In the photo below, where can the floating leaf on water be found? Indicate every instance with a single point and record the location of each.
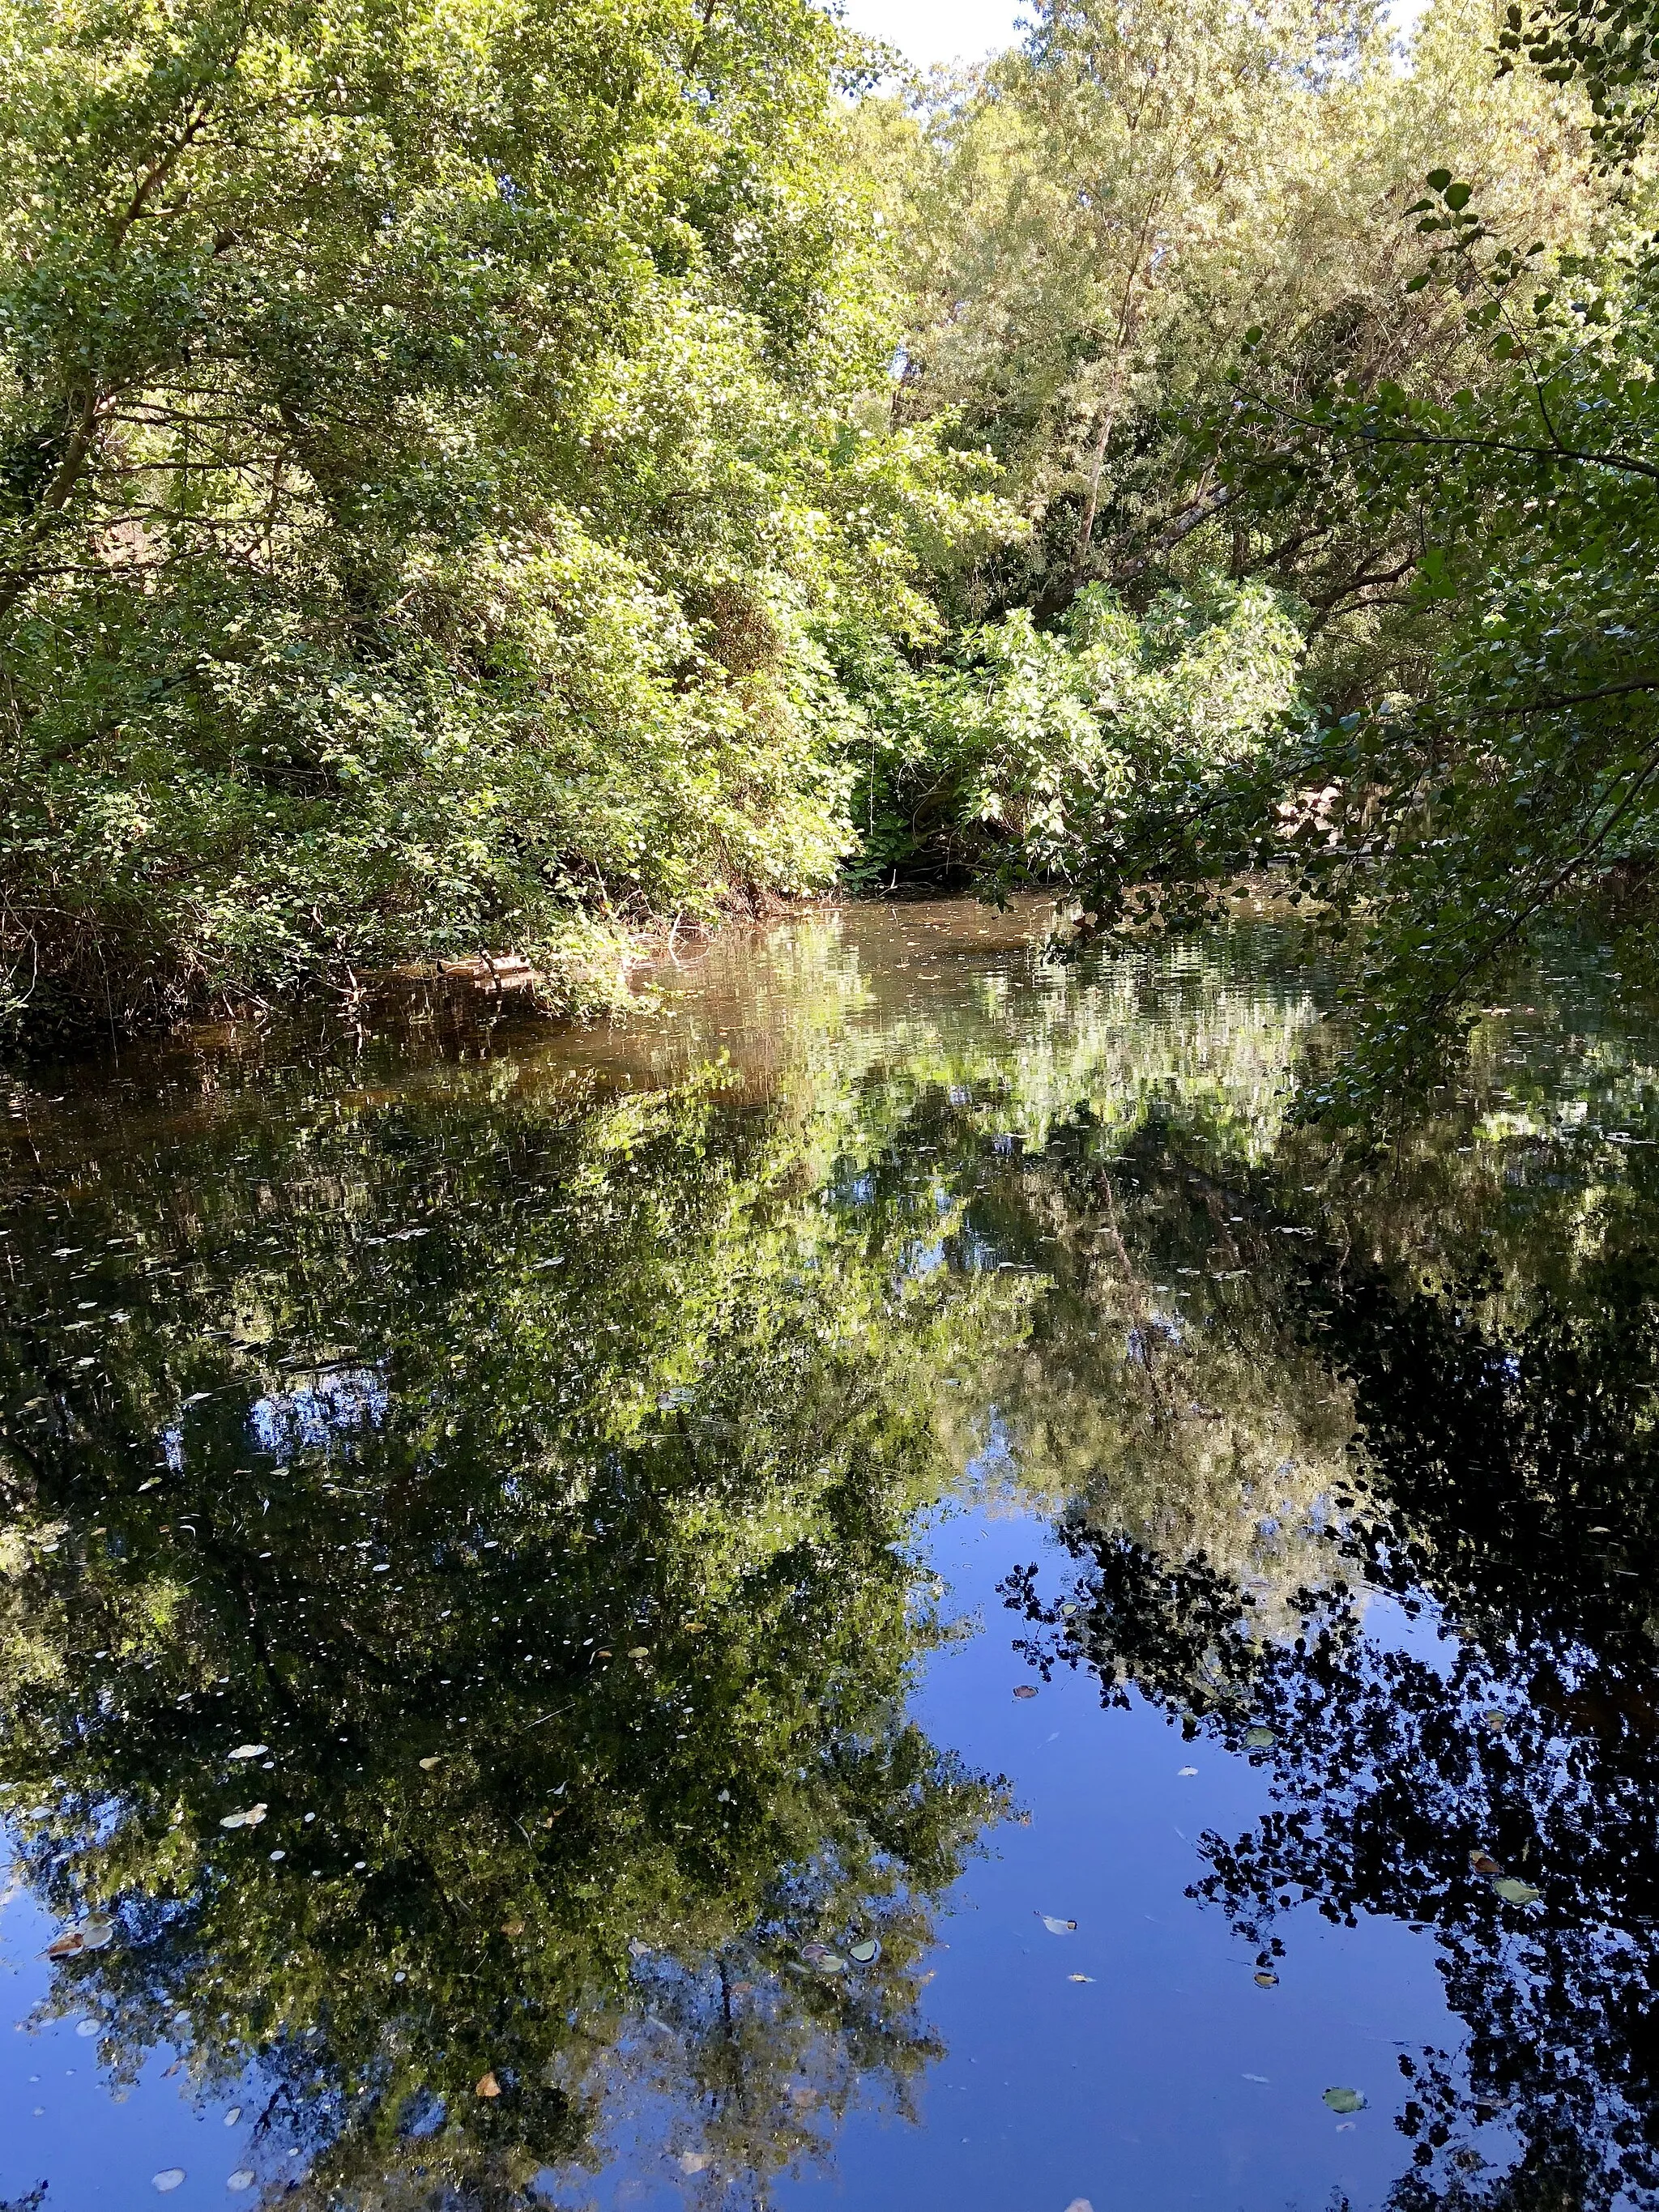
(1025, 1690)
(1266, 1980)
(1262, 2078)
(1068, 1609)
(1079, 1978)
(1514, 1891)
(427, 1764)
(242, 2178)
(233, 2116)
(87, 2026)
(1259, 1739)
(694, 2161)
(1080, 2204)
(488, 2086)
(1057, 1927)
(1483, 1862)
(1344, 2100)
(249, 1751)
(1186, 1770)
(169, 2178)
(637, 1949)
(867, 1952)
(641, 1651)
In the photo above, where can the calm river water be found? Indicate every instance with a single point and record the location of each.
(883, 1589)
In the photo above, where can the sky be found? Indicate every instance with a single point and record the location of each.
(929, 31)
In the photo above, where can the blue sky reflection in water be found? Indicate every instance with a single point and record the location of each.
(579, 1612)
(1168, 2077)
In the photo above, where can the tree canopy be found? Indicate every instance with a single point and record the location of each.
(433, 450)
(483, 479)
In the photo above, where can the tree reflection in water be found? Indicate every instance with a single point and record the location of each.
(527, 1455)
(528, 1480)
(1503, 1724)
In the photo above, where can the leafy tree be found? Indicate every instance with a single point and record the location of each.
(1609, 51)
(1006, 760)
(1453, 823)
(1098, 231)
(1507, 762)
(1094, 228)
(433, 438)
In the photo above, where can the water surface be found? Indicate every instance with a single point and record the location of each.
(885, 1586)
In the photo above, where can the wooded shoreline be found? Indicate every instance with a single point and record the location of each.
(483, 483)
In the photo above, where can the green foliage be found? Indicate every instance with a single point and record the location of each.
(1608, 49)
(1092, 230)
(1174, 271)
(479, 480)
(1168, 267)
(1027, 747)
(1450, 823)
(433, 439)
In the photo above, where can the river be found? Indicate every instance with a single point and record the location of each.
(883, 1587)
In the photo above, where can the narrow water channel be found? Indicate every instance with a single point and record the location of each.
(886, 1587)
